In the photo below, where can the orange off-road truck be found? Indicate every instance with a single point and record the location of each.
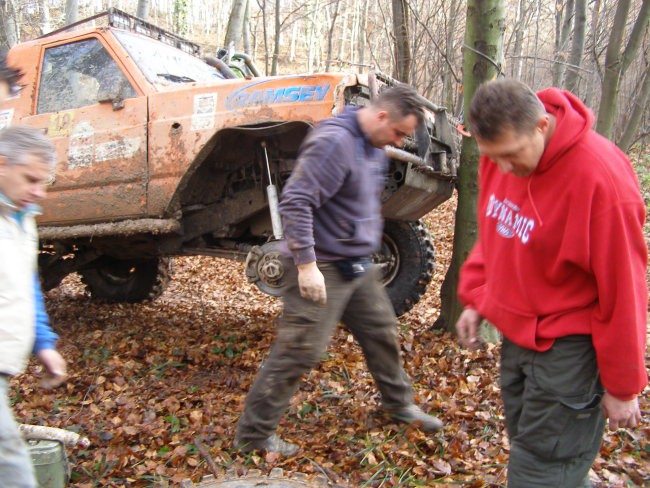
(163, 152)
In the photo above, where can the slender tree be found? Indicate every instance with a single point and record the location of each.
(44, 14)
(71, 11)
(402, 45)
(572, 75)
(235, 29)
(640, 105)
(276, 41)
(564, 13)
(330, 34)
(143, 9)
(9, 35)
(481, 62)
(617, 61)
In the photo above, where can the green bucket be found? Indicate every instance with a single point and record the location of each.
(50, 463)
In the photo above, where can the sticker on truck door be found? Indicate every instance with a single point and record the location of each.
(5, 118)
(205, 108)
(81, 150)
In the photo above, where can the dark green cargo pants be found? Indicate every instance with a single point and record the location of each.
(304, 332)
(553, 415)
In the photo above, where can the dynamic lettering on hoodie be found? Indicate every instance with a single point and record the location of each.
(510, 222)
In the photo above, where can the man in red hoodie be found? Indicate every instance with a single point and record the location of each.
(559, 269)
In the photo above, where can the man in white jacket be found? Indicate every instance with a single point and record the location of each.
(27, 160)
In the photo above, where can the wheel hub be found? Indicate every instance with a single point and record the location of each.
(264, 268)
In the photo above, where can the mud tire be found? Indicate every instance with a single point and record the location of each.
(131, 281)
(407, 262)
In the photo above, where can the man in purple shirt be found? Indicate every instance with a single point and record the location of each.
(331, 211)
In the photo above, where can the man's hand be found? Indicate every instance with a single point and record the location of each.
(312, 283)
(621, 413)
(467, 328)
(55, 366)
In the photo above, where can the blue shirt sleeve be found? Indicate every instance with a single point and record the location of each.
(45, 336)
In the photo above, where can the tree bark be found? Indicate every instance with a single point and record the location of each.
(71, 11)
(330, 35)
(402, 44)
(143, 9)
(577, 46)
(44, 14)
(484, 35)
(447, 74)
(361, 44)
(617, 62)
(564, 13)
(276, 42)
(640, 105)
(234, 31)
(9, 34)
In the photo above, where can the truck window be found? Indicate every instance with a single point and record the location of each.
(163, 64)
(78, 74)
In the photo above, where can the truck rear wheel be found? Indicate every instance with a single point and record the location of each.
(406, 260)
(127, 280)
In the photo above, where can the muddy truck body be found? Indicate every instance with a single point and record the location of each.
(162, 153)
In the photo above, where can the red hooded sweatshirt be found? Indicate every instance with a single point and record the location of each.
(562, 251)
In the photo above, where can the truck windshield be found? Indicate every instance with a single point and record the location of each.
(163, 64)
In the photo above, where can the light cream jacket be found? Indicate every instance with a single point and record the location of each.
(18, 262)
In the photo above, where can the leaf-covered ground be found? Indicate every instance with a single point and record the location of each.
(148, 381)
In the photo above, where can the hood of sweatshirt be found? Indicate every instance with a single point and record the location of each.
(573, 122)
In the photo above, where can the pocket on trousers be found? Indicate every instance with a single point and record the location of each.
(582, 423)
(560, 428)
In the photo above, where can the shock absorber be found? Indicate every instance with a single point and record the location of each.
(272, 194)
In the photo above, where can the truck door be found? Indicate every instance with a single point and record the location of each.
(98, 121)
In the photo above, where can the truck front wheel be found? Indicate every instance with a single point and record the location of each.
(406, 260)
(127, 280)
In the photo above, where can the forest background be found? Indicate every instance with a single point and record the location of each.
(547, 42)
(151, 383)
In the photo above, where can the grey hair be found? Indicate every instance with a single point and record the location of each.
(19, 141)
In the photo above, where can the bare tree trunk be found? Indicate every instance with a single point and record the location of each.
(180, 16)
(564, 13)
(521, 24)
(265, 38)
(44, 14)
(71, 11)
(276, 43)
(246, 28)
(577, 46)
(330, 34)
(361, 45)
(534, 70)
(617, 62)
(9, 34)
(235, 28)
(595, 79)
(484, 38)
(447, 75)
(402, 45)
(143, 9)
(640, 105)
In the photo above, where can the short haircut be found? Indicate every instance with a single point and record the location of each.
(504, 104)
(400, 101)
(19, 141)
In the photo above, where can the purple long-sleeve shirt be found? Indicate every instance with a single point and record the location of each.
(330, 206)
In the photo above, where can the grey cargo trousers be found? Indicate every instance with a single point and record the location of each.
(304, 332)
(553, 415)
